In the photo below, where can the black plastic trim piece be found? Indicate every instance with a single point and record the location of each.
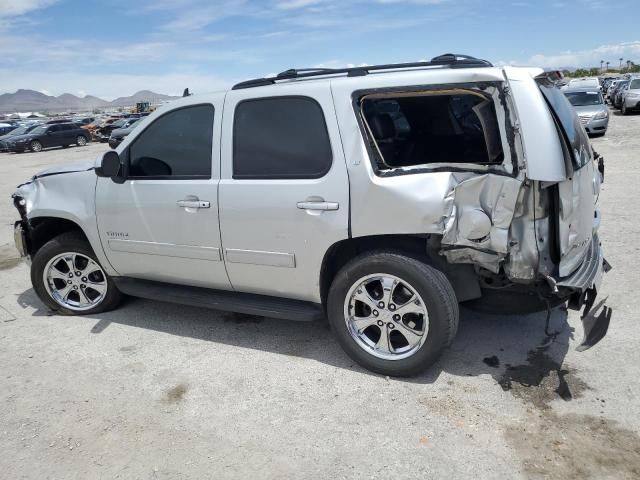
(247, 303)
(448, 60)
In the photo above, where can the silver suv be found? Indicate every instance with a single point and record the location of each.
(379, 197)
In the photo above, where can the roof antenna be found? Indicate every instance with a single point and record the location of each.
(186, 92)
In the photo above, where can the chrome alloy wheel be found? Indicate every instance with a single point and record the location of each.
(75, 281)
(81, 141)
(386, 316)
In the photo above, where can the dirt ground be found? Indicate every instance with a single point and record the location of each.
(160, 391)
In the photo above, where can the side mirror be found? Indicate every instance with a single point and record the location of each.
(110, 165)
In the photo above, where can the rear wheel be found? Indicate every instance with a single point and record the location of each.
(81, 141)
(68, 278)
(35, 146)
(391, 313)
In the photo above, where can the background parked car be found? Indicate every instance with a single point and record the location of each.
(102, 134)
(591, 109)
(6, 128)
(14, 132)
(616, 93)
(46, 136)
(631, 96)
(588, 82)
(118, 135)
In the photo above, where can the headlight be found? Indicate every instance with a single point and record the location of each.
(602, 114)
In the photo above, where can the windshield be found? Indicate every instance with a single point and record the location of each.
(582, 99)
(587, 82)
(18, 131)
(119, 123)
(635, 84)
(39, 130)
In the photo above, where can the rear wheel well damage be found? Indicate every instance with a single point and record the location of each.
(43, 229)
(423, 247)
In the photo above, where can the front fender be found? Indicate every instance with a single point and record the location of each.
(69, 196)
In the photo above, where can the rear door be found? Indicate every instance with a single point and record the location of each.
(284, 191)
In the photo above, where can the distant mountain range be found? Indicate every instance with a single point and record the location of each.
(33, 101)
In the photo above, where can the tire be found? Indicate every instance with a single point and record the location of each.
(625, 111)
(81, 141)
(35, 146)
(433, 294)
(95, 282)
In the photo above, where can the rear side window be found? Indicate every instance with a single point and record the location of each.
(280, 138)
(176, 145)
(427, 128)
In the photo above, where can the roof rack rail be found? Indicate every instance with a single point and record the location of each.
(448, 60)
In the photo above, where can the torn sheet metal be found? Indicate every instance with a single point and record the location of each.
(477, 226)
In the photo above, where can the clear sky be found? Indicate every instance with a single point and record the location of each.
(110, 48)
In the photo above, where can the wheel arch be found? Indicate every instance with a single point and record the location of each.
(43, 229)
(343, 251)
(462, 277)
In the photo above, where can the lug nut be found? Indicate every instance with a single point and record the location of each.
(78, 274)
(75, 287)
(396, 317)
(390, 325)
(375, 313)
(69, 282)
(83, 286)
(381, 304)
(392, 307)
(70, 275)
(84, 279)
(380, 323)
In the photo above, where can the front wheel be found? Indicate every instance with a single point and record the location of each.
(391, 313)
(35, 146)
(68, 278)
(81, 141)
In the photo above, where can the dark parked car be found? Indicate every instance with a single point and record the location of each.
(104, 133)
(117, 136)
(14, 132)
(45, 136)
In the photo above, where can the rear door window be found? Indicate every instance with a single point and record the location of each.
(280, 138)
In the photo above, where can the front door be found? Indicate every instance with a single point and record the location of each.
(162, 222)
(284, 191)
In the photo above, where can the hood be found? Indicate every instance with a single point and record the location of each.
(80, 166)
(17, 138)
(589, 109)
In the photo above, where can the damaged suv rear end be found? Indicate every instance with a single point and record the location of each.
(495, 168)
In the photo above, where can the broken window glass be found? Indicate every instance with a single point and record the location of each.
(435, 127)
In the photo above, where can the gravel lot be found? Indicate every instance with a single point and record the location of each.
(160, 391)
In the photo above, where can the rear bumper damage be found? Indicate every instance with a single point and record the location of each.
(583, 286)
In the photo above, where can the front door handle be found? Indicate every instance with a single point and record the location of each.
(318, 205)
(193, 204)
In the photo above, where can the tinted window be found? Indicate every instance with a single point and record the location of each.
(67, 127)
(574, 133)
(282, 137)
(55, 128)
(178, 144)
(635, 84)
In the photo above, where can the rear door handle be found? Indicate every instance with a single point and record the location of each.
(193, 204)
(318, 205)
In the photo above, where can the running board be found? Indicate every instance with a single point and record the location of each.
(247, 303)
